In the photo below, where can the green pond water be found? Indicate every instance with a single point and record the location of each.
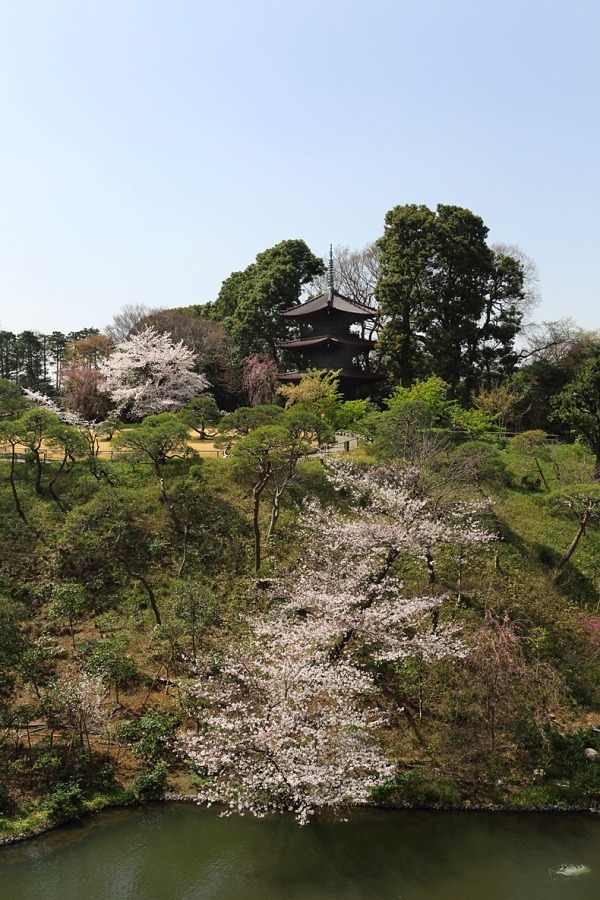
(182, 851)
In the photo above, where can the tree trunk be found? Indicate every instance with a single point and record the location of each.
(540, 470)
(138, 577)
(430, 566)
(274, 514)
(166, 500)
(13, 457)
(580, 532)
(38, 476)
(52, 481)
(405, 348)
(256, 492)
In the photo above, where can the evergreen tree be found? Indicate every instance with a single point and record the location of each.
(450, 306)
(250, 302)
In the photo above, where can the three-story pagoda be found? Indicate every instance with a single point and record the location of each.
(327, 341)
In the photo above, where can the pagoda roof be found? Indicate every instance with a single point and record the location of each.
(321, 339)
(330, 300)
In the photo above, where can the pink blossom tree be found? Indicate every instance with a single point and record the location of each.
(82, 389)
(259, 378)
(149, 374)
(291, 721)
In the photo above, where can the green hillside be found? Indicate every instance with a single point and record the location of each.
(99, 698)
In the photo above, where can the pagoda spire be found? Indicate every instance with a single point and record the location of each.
(331, 268)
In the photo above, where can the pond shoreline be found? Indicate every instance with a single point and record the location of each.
(467, 807)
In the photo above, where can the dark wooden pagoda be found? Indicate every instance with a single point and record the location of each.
(328, 342)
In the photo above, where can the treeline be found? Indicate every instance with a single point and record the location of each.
(33, 360)
(445, 303)
(67, 367)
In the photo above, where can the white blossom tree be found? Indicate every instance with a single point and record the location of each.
(45, 402)
(291, 720)
(149, 374)
(285, 727)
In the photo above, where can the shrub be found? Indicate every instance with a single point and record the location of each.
(5, 800)
(152, 783)
(149, 736)
(65, 802)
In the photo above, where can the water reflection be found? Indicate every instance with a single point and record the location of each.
(180, 852)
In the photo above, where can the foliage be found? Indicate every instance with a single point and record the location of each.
(317, 392)
(501, 402)
(12, 400)
(482, 463)
(476, 423)
(109, 427)
(583, 502)
(70, 602)
(108, 660)
(250, 303)
(268, 454)
(450, 305)
(535, 446)
(432, 392)
(12, 643)
(151, 736)
(354, 415)
(378, 648)
(578, 405)
(198, 413)
(245, 419)
(65, 802)
(152, 783)
(156, 439)
(404, 432)
(196, 607)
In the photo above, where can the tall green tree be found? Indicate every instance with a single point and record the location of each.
(578, 405)
(12, 399)
(250, 303)
(405, 260)
(7, 354)
(449, 304)
(31, 360)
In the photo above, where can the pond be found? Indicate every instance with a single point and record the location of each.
(181, 851)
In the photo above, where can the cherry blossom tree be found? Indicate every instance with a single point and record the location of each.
(76, 701)
(82, 389)
(291, 720)
(149, 374)
(285, 729)
(259, 378)
(65, 415)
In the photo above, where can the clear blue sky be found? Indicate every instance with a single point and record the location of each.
(151, 147)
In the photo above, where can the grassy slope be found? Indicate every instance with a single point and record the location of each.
(470, 732)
